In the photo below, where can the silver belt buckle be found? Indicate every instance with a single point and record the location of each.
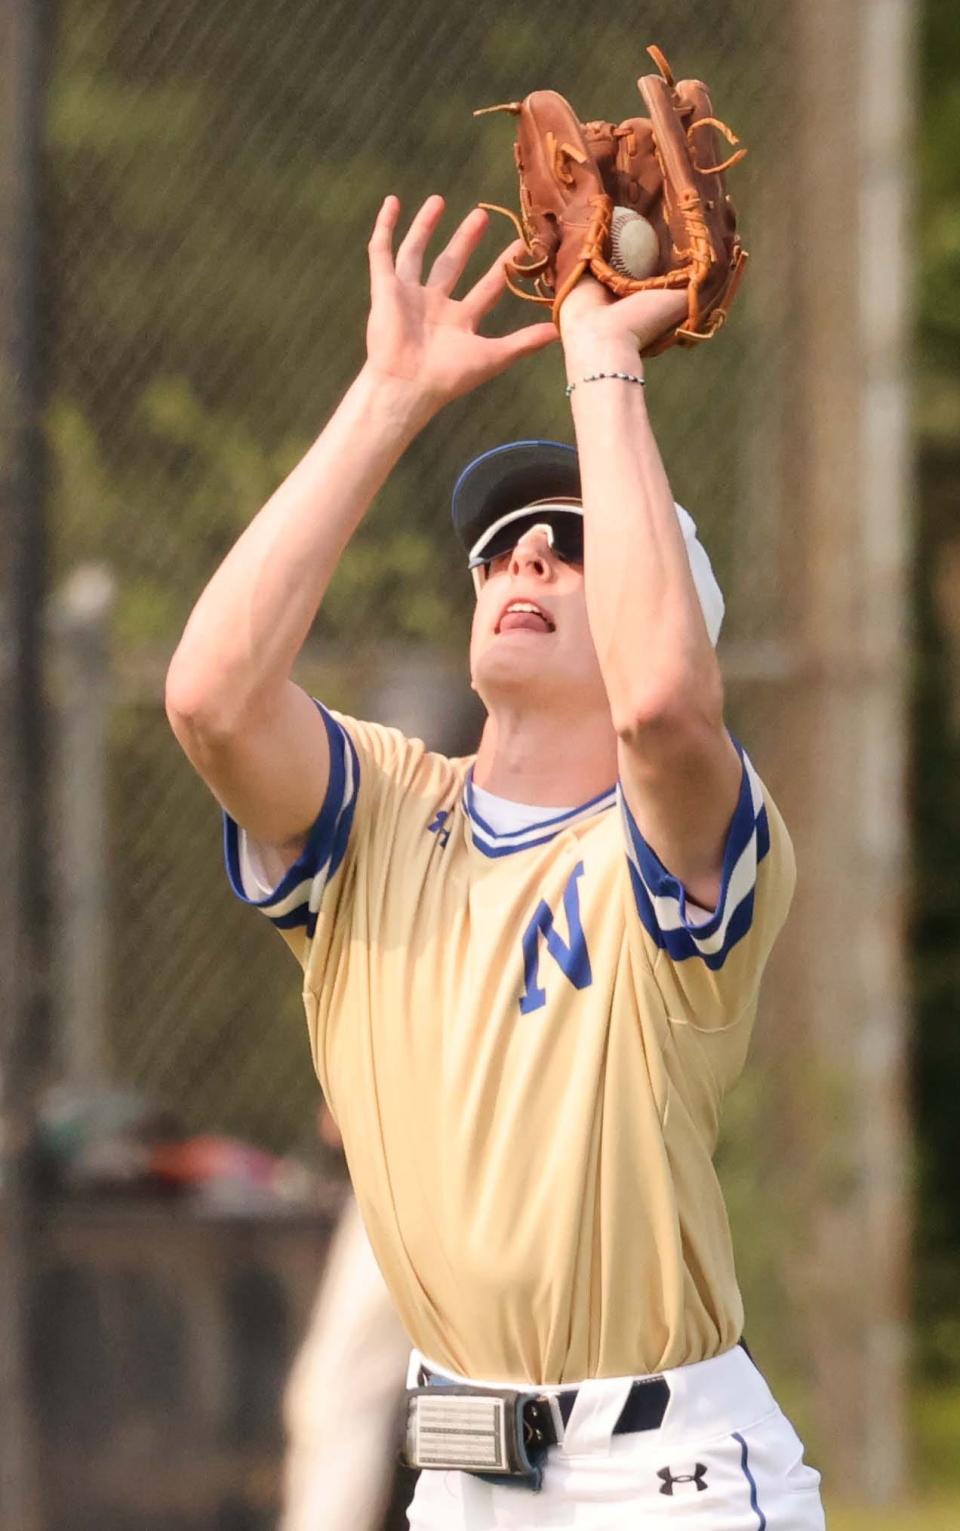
(475, 1430)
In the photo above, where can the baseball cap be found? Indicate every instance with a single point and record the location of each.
(512, 487)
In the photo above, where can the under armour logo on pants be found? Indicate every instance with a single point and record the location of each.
(698, 1476)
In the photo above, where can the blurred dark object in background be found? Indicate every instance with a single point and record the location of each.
(114, 1142)
(162, 1337)
(100, 1142)
(175, 1277)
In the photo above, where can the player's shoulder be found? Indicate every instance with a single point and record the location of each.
(385, 755)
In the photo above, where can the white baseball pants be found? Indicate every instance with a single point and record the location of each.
(724, 1459)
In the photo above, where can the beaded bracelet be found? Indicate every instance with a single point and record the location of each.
(595, 377)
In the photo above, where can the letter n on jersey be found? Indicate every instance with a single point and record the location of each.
(571, 956)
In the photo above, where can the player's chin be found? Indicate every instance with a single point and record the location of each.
(518, 661)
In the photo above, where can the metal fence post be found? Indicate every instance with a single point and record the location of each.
(80, 663)
(23, 1013)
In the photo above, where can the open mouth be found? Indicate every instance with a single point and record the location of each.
(524, 616)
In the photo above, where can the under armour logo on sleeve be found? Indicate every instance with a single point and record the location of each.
(438, 828)
(669, 1479)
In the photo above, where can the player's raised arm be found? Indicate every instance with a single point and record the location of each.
(252, 734)
(680, 771)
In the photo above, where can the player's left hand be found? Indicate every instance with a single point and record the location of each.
(591, 314)
(419, 336)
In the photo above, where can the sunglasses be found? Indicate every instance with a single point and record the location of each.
(564, 528)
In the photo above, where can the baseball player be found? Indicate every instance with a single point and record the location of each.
(529, 977)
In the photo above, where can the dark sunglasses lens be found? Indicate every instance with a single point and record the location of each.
(567, 537)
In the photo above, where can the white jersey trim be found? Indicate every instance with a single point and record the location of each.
(680, 927)
(296, 899)
(506, 843)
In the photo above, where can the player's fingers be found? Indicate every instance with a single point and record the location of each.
(666, 302)
(448, 267)
(409, 262)
(533, 337)
(486, 292)
(649, 314)
(380, 245)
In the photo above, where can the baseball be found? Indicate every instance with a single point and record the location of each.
(634, 246)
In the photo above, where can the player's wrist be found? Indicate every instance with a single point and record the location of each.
(586, 353)
(589, 323)
(400, 404)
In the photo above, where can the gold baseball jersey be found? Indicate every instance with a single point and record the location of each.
(525, 1039)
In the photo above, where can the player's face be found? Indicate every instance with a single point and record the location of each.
(531, 636)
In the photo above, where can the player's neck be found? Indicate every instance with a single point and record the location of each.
(543, 760)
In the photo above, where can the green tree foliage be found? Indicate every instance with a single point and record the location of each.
(215, 174)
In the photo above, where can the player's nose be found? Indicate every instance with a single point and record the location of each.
(533, 554)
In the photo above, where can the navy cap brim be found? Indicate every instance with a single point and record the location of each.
(507, 477)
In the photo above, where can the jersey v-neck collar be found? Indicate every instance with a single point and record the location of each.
(490, 843)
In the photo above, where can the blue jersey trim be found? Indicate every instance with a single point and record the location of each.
(763, 835)
(681, 944)
(673, 929)
(754, 1496)
(661, 882)
(326, 843)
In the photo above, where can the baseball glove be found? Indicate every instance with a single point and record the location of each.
(579, 183)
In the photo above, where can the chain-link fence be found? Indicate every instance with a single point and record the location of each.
(213, 173)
